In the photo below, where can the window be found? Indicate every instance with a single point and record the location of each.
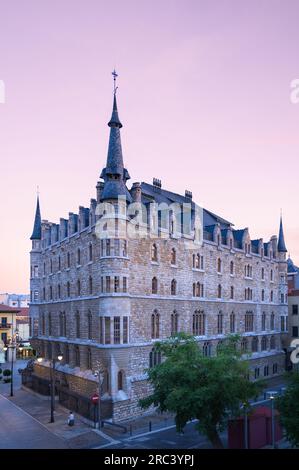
(35, 271)
(154, 285)
(173, 256)
(59, 291)
(66, 358)
(78, 256)
(271, 275)
(125, 330)
(108, 247)
(62, 324)
(107, 330)
(50, 324)
(116, 330)
(282, 324)
(173, 287)
(154, 252)
(295, 309)
(68, 289)
(207, 348)
(116, 284)
(108, 284)
(254, 344)
(248, 321)
(155, 325)
(198, 324)
(220, 323)
(78, 287)
(219, 291)
(120, 380)
(77, 319)
(68, 260)
(124, 284)
(124, 247)
(266, 371)
(231, 292)
(59, 263)
(272, 321)
(282, 298)
(244, 345)
(77, 356)
(263, 321)
(43, 324)
(89, 359)
(271, 296)
(90, 285)
(90, 252)
(263, 273)
(275, 368)
(272, 342)
(232, 322)
(256, 372)
(51, 266)
(264, 343)
(51, 293)
(219, 265)
(232, 267)
(116, 247)
(154, 358)
(174, 323)
(263, 295)
(44, 293)
(89, 325)
(295, 331)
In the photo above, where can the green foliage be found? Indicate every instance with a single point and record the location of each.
(289, 409)
(6, 372)
(193, 386)
(7, 380)
(0, 371)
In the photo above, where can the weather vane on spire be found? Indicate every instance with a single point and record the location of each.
(114, 79)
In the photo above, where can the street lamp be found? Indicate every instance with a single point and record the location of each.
(272, 396)
(52, 382)
(12, 347)
(100, 375)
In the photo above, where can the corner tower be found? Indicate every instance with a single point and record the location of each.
(35, 271)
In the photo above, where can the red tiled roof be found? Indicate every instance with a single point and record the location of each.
(8, 309)
(24, 312)
(293, 293)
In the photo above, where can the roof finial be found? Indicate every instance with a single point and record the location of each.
(37, 191)
(115, 75)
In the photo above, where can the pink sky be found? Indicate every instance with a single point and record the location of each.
(204, 97)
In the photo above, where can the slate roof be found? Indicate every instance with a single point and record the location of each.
(37, 227)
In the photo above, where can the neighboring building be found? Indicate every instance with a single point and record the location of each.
(104, 301)
(293, 295)
(15, 300)
(23, 324)
(8, 322)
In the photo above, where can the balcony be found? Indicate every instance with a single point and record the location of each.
(5, 326)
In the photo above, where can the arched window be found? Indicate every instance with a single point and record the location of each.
(89, 325)
(77, 356)
(271, 275)
(264, 343)
(77, 324)
(219, 265)
(50, 324)
(272, 321)
(68, 289)
(174, 323)
(89, 359)
(263, 321)
(263, 295)
(231, 292)
(254, 344)
(220, 323)
(198, 324)
(120, 380)
(68, 260)
(271, 296)
(272, 342)
(59, 263)
(232, 322)
(78, 287)
(193, 260)
(90, 285)
(244, 345)
(78, 256)
(59, 291)
(219, 291)
(232, 267)
(207, 349)
(90, 252)
(197, 265)
(173, 256)
(154, 285)
(154, 252)
(155, 325)
(219, 346)
(194, 289)
(173, 287)
(154, 358)
(51, 293)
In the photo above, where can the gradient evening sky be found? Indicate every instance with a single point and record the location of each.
(204, 97)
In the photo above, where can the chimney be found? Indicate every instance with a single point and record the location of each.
(136, 192)
(157, 184)
(188, 194)
(99, 187)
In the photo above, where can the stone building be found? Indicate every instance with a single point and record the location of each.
(293, 296)
(102, 297)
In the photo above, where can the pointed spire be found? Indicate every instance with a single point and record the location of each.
(281, 243)
(37, 228)
(114, 121)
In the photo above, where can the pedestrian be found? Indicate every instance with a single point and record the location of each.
(71, 419)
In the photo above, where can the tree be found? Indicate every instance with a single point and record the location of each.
(287, 405)
(193, 386)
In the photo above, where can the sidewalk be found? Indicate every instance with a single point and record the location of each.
(80, 436)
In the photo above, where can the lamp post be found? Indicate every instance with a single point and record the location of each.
(272, 396)
(52, 383)
(12, 347)
(100, 376)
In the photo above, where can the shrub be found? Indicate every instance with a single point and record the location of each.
(6, 372)
(7, 380)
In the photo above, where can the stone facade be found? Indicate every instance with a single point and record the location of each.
(104, 302)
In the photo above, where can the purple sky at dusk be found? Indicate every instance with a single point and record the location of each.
(204, 98)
